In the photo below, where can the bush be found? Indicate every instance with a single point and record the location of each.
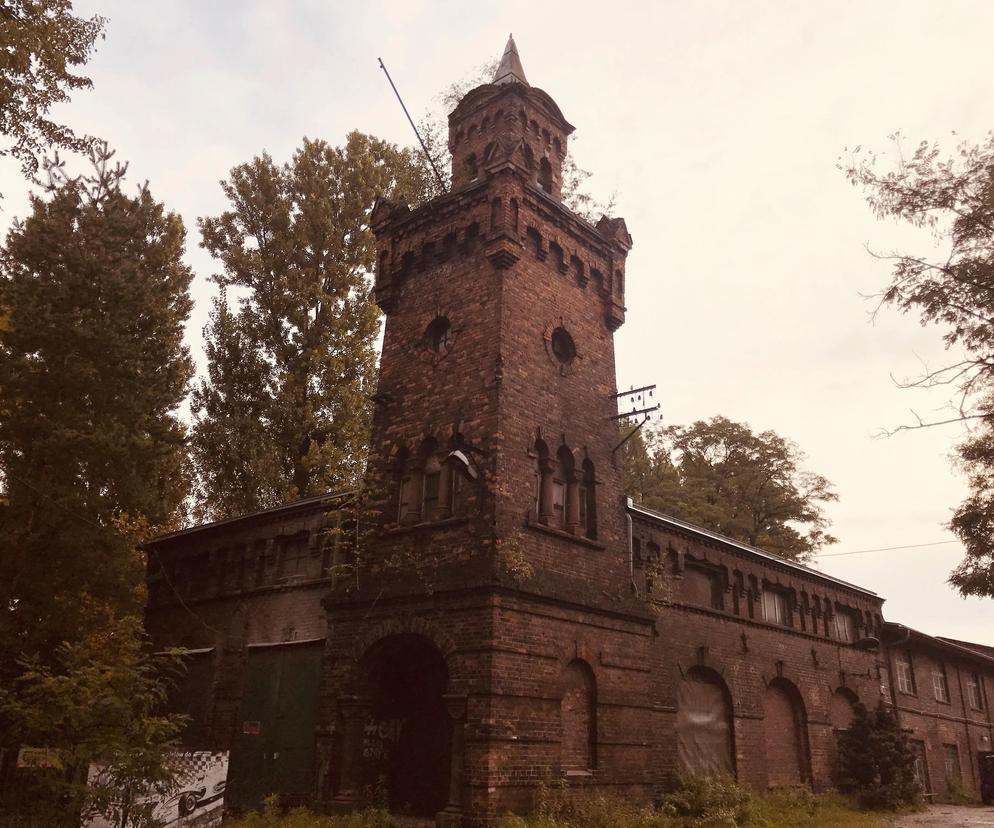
(272, 816)
(709, 800)
(875, 762)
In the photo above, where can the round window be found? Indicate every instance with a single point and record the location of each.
(563, 346)
(438, 335)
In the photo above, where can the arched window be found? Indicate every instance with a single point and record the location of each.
(784, 744)
(544, 510)
(578, 711)
(545, 175)
(472, 168)
(514, 214)
(431, 472)
(561, 485)
(529, 157)
(408, 489)
(588, 501)
(704, 731)
(457, 474)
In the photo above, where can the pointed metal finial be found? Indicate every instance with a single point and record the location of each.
(510, 69)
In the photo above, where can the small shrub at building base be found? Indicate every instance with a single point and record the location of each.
(273, 816)
(875, 762)
(710, 800)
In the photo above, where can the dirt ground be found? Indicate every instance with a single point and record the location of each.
(948, 815)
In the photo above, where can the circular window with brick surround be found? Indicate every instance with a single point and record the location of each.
(561, 347)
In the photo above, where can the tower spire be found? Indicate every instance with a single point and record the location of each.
(510, 70)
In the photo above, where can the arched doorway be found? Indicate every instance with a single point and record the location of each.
(704, 732)
(840, 708)
(407, 734)
(784, 737)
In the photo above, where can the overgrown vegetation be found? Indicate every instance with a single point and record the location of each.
(273, 816)
(696, 803)
(875, 762)
(704, 803)
(100, 703)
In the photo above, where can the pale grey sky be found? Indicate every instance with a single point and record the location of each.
(718, 123)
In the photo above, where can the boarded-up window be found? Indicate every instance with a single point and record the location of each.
(702, 587)
(704, 725)
(579, 717)
(783, 742)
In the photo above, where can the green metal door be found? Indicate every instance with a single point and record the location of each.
(274, 750)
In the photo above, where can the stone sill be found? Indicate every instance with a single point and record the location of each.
(531, 523)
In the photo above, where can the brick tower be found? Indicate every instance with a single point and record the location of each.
(486, 635)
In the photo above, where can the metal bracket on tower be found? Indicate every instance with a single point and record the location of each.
(638, 397)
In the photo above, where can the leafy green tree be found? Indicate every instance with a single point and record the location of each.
(875, 762)
(92, 370)
(284, 411)
(719, 474)
(953, 198)
(100, 703)
(42, 44)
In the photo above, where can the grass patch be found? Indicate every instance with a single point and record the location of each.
(715, 804)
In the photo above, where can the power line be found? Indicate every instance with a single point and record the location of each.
(886, 549)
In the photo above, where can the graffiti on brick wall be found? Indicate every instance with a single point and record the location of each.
(379, 738)
(197, 799)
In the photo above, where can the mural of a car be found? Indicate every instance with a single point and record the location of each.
(189, 800)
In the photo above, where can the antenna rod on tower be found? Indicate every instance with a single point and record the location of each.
(438, 175)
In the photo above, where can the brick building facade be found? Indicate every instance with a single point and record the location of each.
(493, 611)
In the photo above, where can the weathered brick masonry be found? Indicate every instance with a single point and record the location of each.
(493, 612)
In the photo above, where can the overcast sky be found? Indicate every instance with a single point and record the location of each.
(718, 124)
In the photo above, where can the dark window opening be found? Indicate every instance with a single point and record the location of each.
(438, 335)
(563, 346)
(545, 175)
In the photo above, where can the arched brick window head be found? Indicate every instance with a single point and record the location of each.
(578, 711)
(565, 492)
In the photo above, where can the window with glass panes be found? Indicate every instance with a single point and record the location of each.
(776, 608)
(905, 674)
(973, 691)
(940, 685)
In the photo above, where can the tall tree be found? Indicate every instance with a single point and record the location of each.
(719, 474)
(284, 411)
(953, 198)
(92, 370)
(43, 41)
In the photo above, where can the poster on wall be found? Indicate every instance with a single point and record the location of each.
(198, 799)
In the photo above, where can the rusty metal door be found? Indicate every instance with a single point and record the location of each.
(274, 751)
